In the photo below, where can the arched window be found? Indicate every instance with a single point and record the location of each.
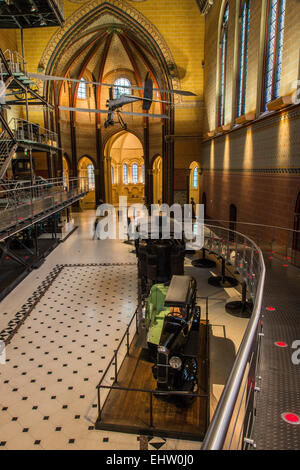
(223, 64)
(125, 174)
(143, 173)
(273, 54)
(243, 56)
(81, 94)
(122, 87)
(112, 175)
(135, 173)
(91, 176)
(195, 178)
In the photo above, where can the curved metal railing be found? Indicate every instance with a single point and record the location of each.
(247, 259)
(282, 242)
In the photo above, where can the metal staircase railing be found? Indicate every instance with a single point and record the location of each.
(7, 150)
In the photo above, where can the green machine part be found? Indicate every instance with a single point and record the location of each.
(156, 312)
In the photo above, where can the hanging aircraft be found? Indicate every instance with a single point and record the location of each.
(114, 105)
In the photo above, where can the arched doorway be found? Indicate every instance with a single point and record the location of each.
(124, 168)
(66, 170)
(157, 172)
(86, 171)
(194, 182)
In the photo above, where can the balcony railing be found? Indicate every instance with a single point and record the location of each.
(233, 419)
(22, 202)
(15, 62)
(29, 132)
(280, 242)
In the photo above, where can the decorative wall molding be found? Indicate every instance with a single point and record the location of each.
(263, 121)
(277, 171)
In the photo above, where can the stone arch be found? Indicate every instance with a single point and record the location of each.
(89, 201)
(123, 147)
(86, 14)
(194, 189)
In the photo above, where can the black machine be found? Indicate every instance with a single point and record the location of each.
(173, 322)
(159, 259)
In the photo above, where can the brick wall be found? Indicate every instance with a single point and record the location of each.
(255, 167)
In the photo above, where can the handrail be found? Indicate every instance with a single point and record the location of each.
(217, 431)
(252, 224)
(39, 183)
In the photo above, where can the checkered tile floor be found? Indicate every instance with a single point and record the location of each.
(56, 357)
(61, 338)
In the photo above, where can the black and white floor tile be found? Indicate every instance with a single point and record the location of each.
(57, 355)
(61, 338)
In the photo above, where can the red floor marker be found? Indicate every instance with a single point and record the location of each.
(271, 309)
(290, 418)
(281, 344)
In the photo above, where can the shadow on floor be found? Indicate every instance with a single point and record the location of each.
(222, 357)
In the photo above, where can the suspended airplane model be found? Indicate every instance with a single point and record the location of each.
(114, 104)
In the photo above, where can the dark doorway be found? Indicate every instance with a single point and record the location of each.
(232, 219)
(296, 237)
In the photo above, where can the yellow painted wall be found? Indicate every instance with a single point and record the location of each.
(182, 26)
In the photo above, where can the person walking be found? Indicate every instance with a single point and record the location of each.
(193, 204)
(95, 227)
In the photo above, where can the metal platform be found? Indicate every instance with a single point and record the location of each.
(280, 378)
(24, 204)
(129, 402)
(31, 13)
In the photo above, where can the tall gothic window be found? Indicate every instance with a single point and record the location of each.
(122, 87)
(91, 176)
(243, 57)
(81, 93)
(143, 173)
(135, 173)
(195, 178)
(273, 52)
(223, 63)
(125, 174)
(112, 175)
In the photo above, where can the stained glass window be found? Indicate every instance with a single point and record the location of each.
(143, 173)
(122, 87)
(81, 94)
(274, 46)
(243, 57)
(125, 174)
(135, 173)
(223, 63)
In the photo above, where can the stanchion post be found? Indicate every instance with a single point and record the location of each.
(99, 404)
(127, 340)
(116, 367)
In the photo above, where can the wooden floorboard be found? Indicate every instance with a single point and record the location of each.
(130, 410)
